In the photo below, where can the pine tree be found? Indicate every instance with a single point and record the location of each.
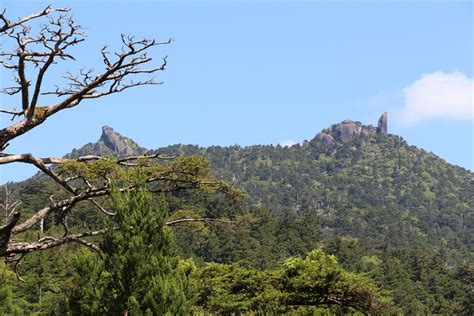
(9, 300)
(135, 273)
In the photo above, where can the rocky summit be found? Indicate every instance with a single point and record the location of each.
(347, 130)
(115, 142)
(110, 143)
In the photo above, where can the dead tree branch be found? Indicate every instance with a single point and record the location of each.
(54, 39)
(51, 242)
(9, 206)
(9, 25)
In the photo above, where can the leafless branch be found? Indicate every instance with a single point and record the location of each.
(51, 242)
(63, 205)
(28, 158)
(67, 204)
(6, 231)
(40, 164)
(102, 209)
(7, 25)
(9, 206)
(13, 112)
(17, 266)
(10, 91)
(50, 45)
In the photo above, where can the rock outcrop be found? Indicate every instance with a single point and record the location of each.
(115, 142)
(326, 139)
(349, 130)
(346, 131)
(382, 125)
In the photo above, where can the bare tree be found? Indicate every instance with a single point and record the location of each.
(42, 47)
(9, 206)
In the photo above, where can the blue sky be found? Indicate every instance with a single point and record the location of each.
(271, 72)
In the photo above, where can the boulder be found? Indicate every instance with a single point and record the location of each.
(346, 131)
(326, 139)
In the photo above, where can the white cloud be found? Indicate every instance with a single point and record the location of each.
(439, 95)
(287, 143)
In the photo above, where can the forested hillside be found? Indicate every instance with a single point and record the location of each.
(398, 214)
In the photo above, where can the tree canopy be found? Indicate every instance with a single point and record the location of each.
(135, 272)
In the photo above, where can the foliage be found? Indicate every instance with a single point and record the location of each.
(358, 188)
(420, 281)
(8, 295)
(389, 211)
(318, 280)
(135, 272)
(232, 289)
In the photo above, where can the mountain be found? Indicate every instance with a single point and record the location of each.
(110, 143)
(361, 181)
(396, 212)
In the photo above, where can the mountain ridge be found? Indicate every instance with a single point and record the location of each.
(351, 175)
(354, 176)
(112, 143)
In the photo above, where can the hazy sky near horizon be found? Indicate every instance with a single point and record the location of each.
(269, 72)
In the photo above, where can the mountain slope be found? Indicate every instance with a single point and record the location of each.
(358, 180)
(362, 183)
(395, 212)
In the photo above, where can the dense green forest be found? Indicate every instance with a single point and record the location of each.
(351, 221)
